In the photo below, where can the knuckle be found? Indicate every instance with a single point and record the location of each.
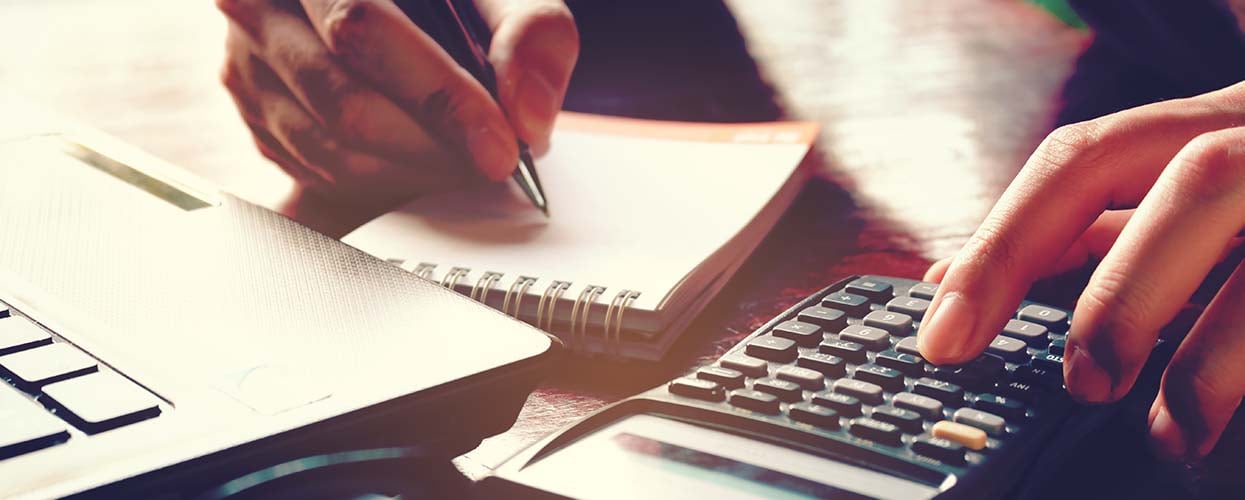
(346, 24)
(1200, 385)
(1067, 149)
(991, 251)
(1210, 165)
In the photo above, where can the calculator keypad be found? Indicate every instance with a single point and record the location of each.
(849, 367)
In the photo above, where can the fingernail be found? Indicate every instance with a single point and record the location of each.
(538, 105)
(494, 154)
(1166, 437)
(1086, 380)
(951, 324)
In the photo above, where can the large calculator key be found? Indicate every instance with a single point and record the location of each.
(927, 407)
(25, 426)
(1052, 379)
(850, 351)
(17, 334)
(907, 345)
(827, 364)
(772, 348)
(829, 319)
(941, 449)
(847, 406)
(807, 378)
(874, 289)
(864, 391)
(971, 437)
(748, 365)
(804, 334)
(1057, 345)
(910, 306)
(102, 401)
(1008, 348)
(907, 420)
(989, 422)
(923, 291)
(894, 323)
(1008, 408)
(757, 401)
(696, 388)
(946, 392)
(1031, 333)
(1049, 317)
(875, 430)
(852, 304)
(47, 364)
(785, 390)
(726, 377)
(889, 379)
(1016, 389)
(1049, 361)
(874, 339)
(908, 364)
(812, 414)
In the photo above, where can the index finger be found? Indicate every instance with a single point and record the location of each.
(1076, 173)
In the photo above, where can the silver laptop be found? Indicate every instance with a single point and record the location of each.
(158, 334)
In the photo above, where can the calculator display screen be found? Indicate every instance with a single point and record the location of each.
(644, 456)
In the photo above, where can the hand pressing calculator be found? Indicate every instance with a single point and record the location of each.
(829, 399)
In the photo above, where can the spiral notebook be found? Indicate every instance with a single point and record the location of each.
(648, 220)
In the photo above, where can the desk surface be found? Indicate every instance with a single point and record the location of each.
(928, 109)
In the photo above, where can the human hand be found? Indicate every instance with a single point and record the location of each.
(356, 103)
(1158, 193)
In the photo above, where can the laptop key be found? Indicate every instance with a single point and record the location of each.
(18, 334)
(24, 426)
(47, 364)
(102, 401)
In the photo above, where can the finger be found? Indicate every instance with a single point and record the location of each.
(1205, 381)
(937, 270)
(1176, 236)
(375, 39)
(1076, 174)
(1093, 244)
(534, 49)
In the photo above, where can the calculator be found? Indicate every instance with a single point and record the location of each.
(829, 399)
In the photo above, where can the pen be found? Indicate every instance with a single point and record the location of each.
(460, 41)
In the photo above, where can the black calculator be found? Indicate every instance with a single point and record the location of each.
(831, 399)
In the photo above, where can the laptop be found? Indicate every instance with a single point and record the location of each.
(157, 334)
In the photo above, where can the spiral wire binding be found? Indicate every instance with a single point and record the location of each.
(621, 302)
(518, 289)
(479, 292)
(579, 322)
(553, 293)
(451, 279)
(424, 270)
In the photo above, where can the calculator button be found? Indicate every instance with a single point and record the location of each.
(1042, 376)
(971, 437)
(989, 366)
(908, 364)
(18, 333)
(1017, 390)
(748, 365)
(1007, 408)
(1057, 345)
(864, 391)
(907, 420)
(785, 390)
(946, 392)
(772, 348)
(1045, 316)
(874, 289)
(819, 416)
(847, 406)
(829, 319)
(850, 351)
(47, 364)
(728, 378)
(1031, 333)
(1008, 348)
(1048, 361)
(757, 401)
(26, 426)
(102, 401)
(959, 375)
(853, 305)
(911, 306)
(894, 323)
(929, 408)
(873, 339)
(889, 379)
(989, 422)
(907, 345)
(923, 291)
(807, 378)
(828, 364)
(874, 430)
(941, 449)
(804, 334)
(696, 388)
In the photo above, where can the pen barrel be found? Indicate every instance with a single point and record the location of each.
(456, 27)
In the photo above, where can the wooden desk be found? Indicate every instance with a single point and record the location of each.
(928, 109)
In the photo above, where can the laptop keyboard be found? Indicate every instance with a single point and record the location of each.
(56, 393)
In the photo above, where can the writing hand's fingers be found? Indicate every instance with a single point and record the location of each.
(378, 41)
(1203, 385)
(535, 46)
(1176, 236)
(1076, 174)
